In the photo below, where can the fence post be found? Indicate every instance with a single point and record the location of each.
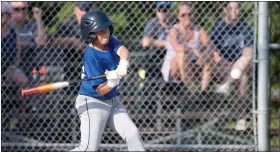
(263, 85)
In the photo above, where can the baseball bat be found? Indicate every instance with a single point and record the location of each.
(44, 88)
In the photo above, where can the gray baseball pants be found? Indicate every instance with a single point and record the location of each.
(95, 114)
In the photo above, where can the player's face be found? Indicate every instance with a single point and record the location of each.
(185, 16)
(103, 36)
(19, 11)
(232, 10)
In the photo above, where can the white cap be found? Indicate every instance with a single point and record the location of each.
(6, 7)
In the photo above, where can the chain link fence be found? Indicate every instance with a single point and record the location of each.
(170, 115)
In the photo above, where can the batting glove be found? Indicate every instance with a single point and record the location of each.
(122, 68)
(113, 82)
(111, 75)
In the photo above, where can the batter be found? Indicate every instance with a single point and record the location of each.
(97, 103)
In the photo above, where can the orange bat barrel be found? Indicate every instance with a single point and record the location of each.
(45, 88)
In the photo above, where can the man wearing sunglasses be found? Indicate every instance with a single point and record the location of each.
(31, 33)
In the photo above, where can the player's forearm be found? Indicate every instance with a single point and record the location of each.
(123, 53)
(103, 89)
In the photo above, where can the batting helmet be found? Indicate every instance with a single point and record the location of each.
(94, 21)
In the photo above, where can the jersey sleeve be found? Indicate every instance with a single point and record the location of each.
(114, 44)
(91, 68)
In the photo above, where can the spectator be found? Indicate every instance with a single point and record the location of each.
(184, 49)
(10, 53)
(156, 29)
(69, 31)
(31, 32)
(233, 38)
(154, 36)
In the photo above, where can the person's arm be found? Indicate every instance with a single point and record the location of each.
(18, 56)
(148, 39)
(206, 41)
(41, 35)
(112, 81)
(123, 53)
(76, 42)
(173, 40)
(124, 61)
(103, 89)
(159, 43)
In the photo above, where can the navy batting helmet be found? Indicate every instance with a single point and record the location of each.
(94, 21)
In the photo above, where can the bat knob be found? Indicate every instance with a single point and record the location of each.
(25, 92)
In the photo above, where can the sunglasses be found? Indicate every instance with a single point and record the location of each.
(19, 9)
(186, 14)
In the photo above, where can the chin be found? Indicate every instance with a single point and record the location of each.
(105, 41)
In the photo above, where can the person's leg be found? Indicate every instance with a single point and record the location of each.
(242, 64)
(243, 87)
(93, 116)
(206, 74)
(174, 68)
(181, 66)
(122, 123)
(185, 69)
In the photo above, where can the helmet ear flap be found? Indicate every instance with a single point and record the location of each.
(92, 36)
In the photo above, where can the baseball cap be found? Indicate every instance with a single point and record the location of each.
(164, 3)
(86, 6)
(6, 7)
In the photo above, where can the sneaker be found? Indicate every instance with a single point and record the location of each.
(224, 88)
(241, 125)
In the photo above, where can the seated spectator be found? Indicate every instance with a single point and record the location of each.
(154, 37)
(31, 32)
(69, 31)
(233, 38)
(157, 28)
(10, 53)
(184, 49)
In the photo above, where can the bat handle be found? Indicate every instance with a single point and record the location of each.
(28, 91)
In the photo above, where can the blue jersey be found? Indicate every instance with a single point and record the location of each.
(95, 63)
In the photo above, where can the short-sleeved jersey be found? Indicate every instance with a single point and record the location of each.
(231, 39)
(95, 63)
